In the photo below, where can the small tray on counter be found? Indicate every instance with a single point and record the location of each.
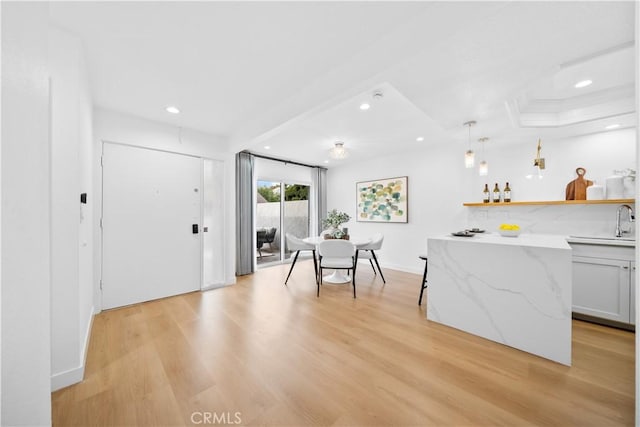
(475, 230)
(464, 233)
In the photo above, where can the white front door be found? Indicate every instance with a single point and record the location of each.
(151, 205)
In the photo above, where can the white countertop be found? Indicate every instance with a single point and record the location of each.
(553, 241)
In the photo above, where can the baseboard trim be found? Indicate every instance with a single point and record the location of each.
(75, 375)
(402, 268)
(214, 286)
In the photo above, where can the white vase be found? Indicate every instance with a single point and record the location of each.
(629, 188)
(595, 192)
(615, 187)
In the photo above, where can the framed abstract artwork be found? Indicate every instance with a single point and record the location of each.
(382, 200)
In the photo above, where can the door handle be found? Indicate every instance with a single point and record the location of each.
(194, 228)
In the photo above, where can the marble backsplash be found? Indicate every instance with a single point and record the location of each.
(577, 220)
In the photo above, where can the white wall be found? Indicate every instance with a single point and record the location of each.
(26, 198)
(121, 128)
(434, 197)
(439, 185)
(277, 171)
(71, 237)
(600, 154)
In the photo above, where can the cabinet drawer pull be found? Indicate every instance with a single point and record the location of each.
(626, 267)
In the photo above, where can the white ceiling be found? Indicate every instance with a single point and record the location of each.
(291, 75)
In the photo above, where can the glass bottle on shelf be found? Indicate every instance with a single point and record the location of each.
(485, 194)
(506, 194)
(496, 194)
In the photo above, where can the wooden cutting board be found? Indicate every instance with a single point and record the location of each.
(577, 189)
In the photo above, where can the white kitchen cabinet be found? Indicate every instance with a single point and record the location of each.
(604, 282)
(601, 288)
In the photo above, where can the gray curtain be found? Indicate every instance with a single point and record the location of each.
(320, 182)
(245, 238)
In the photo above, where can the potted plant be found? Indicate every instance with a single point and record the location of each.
(333, 221)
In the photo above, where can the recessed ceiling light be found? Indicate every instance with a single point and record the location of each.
(173, 110)
(583, 83)
(266, 147)
(420, 138)
(326, 161)
(613, 126)
(365, 106)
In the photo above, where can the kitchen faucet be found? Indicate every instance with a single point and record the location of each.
(631, 219)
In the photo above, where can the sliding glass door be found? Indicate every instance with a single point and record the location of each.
(268, 222)
(281, 208)
(296, 212)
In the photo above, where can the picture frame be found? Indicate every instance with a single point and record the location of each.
(383, 200)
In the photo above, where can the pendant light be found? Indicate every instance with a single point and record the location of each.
(483, 168)
(469, 155)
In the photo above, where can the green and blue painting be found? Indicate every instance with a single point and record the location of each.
(383, 200)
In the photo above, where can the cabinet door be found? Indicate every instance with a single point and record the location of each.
(632, 294)
(601, 288)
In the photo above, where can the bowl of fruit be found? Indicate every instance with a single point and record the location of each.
(509, 230)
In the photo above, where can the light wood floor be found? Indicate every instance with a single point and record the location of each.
(277, 355)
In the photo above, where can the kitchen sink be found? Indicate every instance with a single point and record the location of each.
(626, 239)
(602, 240)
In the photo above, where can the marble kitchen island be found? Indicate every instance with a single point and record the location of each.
(512, 290)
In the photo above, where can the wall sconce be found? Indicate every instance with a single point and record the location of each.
(469, 154)
(483, 167)
(538, 164)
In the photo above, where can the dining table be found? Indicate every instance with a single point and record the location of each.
(338, 276)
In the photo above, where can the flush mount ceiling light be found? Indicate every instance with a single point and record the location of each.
(420, 139)
(173, 110)
(483, 167)
(583, 83)
(267, 147)
(613, 126)
(364, 106)
(469, 155)
(338, 151)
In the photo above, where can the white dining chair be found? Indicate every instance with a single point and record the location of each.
(338, 255)
(296, 244)
(368, 252)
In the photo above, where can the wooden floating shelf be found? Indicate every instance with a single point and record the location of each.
(554, 202)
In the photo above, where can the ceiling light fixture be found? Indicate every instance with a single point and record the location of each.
(420, 139)
(338, 151)
(583, 83)
(173, 110)
(266, 147)
(364, 106)
(613, 126)
(469, 155)
(483, 167)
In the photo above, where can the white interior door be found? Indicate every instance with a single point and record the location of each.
(151, 201)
